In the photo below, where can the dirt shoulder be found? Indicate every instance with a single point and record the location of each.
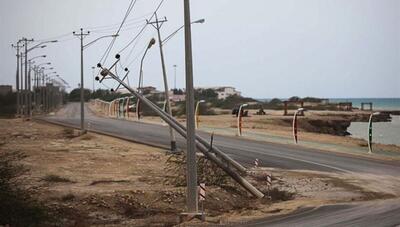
(99, 180)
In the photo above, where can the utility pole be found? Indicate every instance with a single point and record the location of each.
(191, 175)
(17, 79)
(81, 36)
(21, 80)
(157, 25)
(27, 82)
(175, 76)
(93, 78)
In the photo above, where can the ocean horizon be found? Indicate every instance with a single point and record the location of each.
(377, 103)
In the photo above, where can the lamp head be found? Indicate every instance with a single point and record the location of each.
(199, 21)
(376, 113)
(151, 43)
(244, 105)
(201, 101)
(301, 109)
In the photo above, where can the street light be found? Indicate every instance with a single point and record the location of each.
(300, 110)
(196, 112)
(47, 63)
(200, 21)
(157, 26)
(81, 36)
(140, 85)
(44, 68)
(151, 43)
(370, 131)
(39, 45)
(41, 56)
(239, 119)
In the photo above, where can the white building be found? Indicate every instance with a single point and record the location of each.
(225, 92)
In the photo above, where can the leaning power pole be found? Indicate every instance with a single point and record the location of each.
(157, 25)
(191, 175)
(81, 36)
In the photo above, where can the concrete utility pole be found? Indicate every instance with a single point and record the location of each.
(21, 85)
(17, 79)
(175, 76)
(191, 175)
(28, 96)
(81, 36)
(157, 25)
(93, 77)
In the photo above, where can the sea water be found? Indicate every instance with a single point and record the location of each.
(377, 103)
(382, 132)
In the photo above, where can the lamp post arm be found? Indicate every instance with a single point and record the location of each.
(172, 34)
(37, 45)
(106, 36)
(180, 28)
(141, 68)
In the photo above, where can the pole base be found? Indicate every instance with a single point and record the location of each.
(184, 217)
(173, 146)
(82, 132)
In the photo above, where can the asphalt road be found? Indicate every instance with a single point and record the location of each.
(270, 155)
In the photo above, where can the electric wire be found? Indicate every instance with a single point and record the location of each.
(108, 50)
(143, 28)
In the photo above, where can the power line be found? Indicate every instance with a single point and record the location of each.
(143, 28)
(126, 28)
(110, 46)
(127, 22)
(54, 37)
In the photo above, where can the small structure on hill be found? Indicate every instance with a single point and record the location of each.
(345, 106)
(285, 106)
(260, 111)
(235, 111)
(366, 103)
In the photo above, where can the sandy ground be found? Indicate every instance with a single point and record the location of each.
(99, 180)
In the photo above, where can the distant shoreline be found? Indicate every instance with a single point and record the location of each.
(378, 103)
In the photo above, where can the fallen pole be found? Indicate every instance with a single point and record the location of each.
(199, 141)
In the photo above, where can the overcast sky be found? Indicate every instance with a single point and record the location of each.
(281, 48)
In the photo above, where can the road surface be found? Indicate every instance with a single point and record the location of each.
(385, 213)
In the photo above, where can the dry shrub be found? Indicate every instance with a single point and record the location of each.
(18, 207)
(68, 133)
(207, 171)
(56, 179)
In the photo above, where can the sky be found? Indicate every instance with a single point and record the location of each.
(264, 48)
